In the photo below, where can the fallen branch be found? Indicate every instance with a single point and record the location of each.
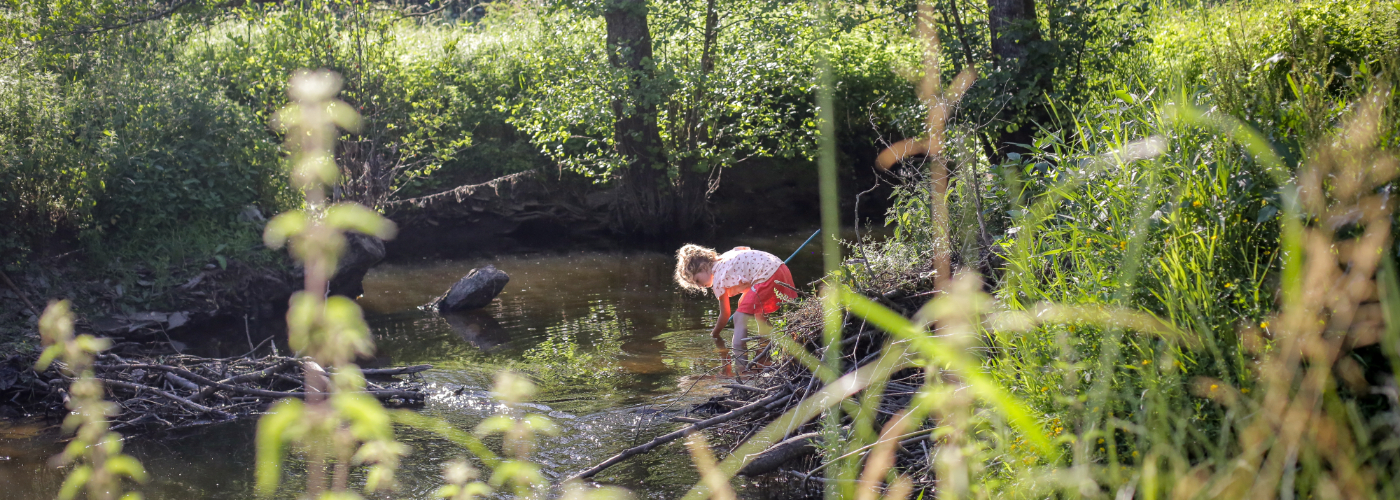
(660, 440)
(387, 393)
(140, 387)
(775, 456)
(20, 293)
(396, 371)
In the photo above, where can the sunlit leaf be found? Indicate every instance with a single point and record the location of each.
(284, 226)
(273, 433)
(355, 217)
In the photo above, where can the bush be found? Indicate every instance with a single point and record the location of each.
(131, 151)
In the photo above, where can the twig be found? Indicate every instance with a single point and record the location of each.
(141, 387)
(248, 335)
(20, 293)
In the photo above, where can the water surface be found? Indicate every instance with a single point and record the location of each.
(614, 345)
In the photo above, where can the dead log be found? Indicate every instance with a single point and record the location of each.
(775, 456)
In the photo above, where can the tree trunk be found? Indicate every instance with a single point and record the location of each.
(693, 180)
(643, 205)
(1013, 26)
(1014, 29)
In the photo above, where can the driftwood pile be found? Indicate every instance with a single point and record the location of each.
(171, 392)
(780, 386)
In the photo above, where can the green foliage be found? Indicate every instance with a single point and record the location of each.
(414, 85)
(1282, 67)
(1146, 202)
(340, 422)
(1072, 52)
(561, 361)
(94, 452)
(755, 99)
(134, 152)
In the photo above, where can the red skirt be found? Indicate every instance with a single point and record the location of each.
(761, 298)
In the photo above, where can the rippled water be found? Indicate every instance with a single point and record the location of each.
(615, 348)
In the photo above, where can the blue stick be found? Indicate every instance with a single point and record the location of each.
(804, 244)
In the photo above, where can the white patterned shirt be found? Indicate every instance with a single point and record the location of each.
(742, 267)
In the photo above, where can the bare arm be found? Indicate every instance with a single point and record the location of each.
(723, 316)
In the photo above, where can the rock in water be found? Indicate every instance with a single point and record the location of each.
(361, 253)
(474, 291)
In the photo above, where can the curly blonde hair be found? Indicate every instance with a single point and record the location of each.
(692, 259)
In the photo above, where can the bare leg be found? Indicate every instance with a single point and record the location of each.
(740, 344)
(764, 328)
(724, 357)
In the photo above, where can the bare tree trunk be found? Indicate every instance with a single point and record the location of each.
(643, 205)
(1014, 27)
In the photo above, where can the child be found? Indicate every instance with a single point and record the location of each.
(739, 271)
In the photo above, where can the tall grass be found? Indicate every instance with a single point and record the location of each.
(1196, 296)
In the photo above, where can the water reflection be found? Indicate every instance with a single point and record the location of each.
(478, 328)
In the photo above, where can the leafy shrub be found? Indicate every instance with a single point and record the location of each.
(130, 151)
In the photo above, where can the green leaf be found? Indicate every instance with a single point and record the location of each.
(495, 425)
(301, 317)
(368, 420)
(542, 424)
(517, 472)
(447, 491)
(127, 466)
(74, 482)
(284, 226)
(46, 359)
(355, 217)
(274, 430)
(344, 317)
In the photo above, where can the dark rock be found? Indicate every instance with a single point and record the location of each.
(474, 291)
(361, 253)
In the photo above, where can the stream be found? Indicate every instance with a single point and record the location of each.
(614, 346)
